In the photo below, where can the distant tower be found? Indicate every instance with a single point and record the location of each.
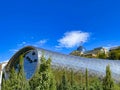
(81, 49)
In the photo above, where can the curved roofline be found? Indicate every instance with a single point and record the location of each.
(27, 48)
(18, 53)
(81, 60)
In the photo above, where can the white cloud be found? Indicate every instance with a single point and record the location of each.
(37, 43)
(109, 46)
(72, 39)
(23, 44)
(4, 61)
(40, 43)
(13, 50)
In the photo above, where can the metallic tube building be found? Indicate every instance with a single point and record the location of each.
(32, 57)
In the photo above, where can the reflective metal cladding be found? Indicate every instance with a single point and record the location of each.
(32, 60)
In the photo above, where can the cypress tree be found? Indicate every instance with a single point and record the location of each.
(64, 83)
(21, 76)
(73, 84)
(35, 82)
(60, 86)
(108, 83)
(52, 85)
(72, 78)
(16, 80)
(43, 79)
(12, 82)
(96, 84)
(45, 74)
(81, 82)
(5, 85)
(86, 78)
(39, 79)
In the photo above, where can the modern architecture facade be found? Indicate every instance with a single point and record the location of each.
(31, 58)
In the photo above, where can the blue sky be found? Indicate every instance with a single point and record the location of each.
(49, 24)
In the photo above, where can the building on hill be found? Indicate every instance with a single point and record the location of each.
(114, 48)
(95, 52)
(81, 49)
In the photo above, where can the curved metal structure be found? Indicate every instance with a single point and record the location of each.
(32, 57)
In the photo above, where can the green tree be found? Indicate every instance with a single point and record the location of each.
(5, 85)
(114, 55)
(73, 84)
(12, 82)
(72, 79)
(86, 78)
(96, 84)
(108, 83)
(52, 85)
(102, 56)
(43, 79)
(35, 81)
(16, 80)
(21, 76)
(80, 81)
(64, 82)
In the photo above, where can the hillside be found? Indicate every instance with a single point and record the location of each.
(100, 52)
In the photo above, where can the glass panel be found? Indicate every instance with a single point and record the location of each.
(30, 63)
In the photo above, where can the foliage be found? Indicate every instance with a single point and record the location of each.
(86, 78)
(17, 80)
(43, 79)
(102, 56)
(48, 78)
(114, 54)
(96, 84)
(108, 83)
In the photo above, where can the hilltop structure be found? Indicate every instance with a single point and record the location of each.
(114, 48)
(81, 51)
(95, 52)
